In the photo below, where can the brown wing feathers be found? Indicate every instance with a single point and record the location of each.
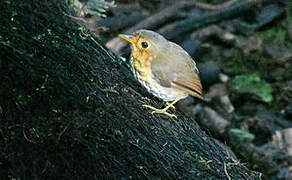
(193, 88)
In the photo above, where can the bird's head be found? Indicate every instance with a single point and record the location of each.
(145, 44)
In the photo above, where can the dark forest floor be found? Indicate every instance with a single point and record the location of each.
(245, 64)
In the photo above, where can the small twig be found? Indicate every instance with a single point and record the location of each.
(106, 51)
(110, 89)
(225, 171)
(171, 12)
(81, 12)
(285, 58)
(163, 147)
(2, 133)
(15, 125)
(31, 141)
(190, 24)
(157, 19)
(89, 23)
(62, 132)
(210, 7)
(75, 18)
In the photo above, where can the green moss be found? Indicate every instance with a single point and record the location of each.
(239, 63)
(236, 63)
(204, 163)
(252, 84)
(274, 35)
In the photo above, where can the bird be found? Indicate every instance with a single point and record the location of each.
(164, 68)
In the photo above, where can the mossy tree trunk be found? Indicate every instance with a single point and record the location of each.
(70, 109)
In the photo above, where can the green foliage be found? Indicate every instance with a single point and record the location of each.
(204, 162)
(239, 63)
(274, 35)
(242, 134)
(92, 7)
(252, 83)
(98, 7)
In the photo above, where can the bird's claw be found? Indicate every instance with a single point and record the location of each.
(172, 106)
(160, 111)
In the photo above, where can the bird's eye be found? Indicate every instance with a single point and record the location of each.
(144, 44)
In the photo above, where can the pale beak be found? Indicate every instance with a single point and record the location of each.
(127, 37)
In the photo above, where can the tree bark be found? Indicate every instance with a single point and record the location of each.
(70, 109)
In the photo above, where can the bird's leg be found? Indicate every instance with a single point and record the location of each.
(164, 110)
(172, 106)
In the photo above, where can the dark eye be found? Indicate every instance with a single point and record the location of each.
(144, 44)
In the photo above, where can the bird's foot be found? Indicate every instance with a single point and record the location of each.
(170, 105)
(161, 111)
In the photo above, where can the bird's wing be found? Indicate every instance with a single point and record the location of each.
(161, 76)
(181, 73)
(192, 87)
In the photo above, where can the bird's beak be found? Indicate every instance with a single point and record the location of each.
(127, 37)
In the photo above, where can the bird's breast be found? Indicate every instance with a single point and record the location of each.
(143, 73)
(141, 69)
